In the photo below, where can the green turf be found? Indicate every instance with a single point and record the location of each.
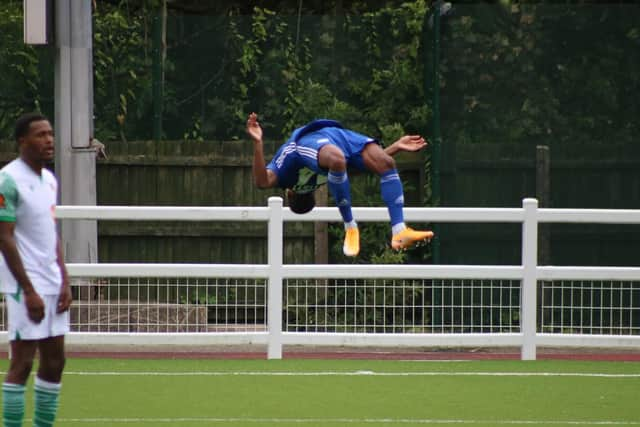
(327, 393)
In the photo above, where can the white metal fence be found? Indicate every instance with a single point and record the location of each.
(357, 305)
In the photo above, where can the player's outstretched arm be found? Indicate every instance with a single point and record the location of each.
(406, 143)
(263, 177)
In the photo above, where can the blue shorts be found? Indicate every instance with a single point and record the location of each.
(350, 143)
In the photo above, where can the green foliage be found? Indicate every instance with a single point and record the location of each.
(358, 306)
(292, 70)
(511, 71)
(24, 86)
(538, 72)
(194, 134)
(199, 296)
(122, 72)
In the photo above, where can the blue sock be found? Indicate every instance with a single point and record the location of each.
(338, 183)
(393, 195)
(12, 404)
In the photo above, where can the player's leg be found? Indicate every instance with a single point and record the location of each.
(47, 384)
(13, 388)
(380, 163)
(23, 335)
(377, 161)
(52, 360)
(332, 158)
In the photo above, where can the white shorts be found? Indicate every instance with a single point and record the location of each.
(20, 327)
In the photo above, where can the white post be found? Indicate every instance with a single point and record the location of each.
(274, 302)
(529, 280)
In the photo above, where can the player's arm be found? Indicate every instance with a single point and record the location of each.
(406, 143)
(9, 249)
(263, 177)
(65, 298)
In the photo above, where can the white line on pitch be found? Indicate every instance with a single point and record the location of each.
(342, 421)
(436, 360)
(351, 373)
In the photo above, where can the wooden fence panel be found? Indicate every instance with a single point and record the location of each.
(187, 174)
(582, 176)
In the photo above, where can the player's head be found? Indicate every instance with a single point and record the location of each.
(34, 136)
(301, 203)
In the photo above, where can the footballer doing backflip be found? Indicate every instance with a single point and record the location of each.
(325, 147)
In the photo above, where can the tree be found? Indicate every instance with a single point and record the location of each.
(25, 86)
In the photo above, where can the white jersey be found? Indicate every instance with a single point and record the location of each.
(29, 200)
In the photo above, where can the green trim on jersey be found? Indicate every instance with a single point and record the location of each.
(17, 295)
(9, 199)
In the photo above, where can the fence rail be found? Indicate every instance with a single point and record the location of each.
(523, 305)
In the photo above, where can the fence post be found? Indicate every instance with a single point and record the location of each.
(274, 292)
(528, 303)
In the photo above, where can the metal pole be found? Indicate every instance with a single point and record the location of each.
(436, 129)
(433, 87)
(543, 194)
(157, 76)
(75, 161)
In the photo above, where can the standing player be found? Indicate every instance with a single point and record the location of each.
(326, 148)
(33, 276)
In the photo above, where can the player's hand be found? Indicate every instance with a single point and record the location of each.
(411, 143)
(65, 299)
(253, 128)
(35, 306)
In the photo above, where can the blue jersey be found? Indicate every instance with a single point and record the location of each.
(301, 150)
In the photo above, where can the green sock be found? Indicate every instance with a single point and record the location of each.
(12, 404)
(46, 402)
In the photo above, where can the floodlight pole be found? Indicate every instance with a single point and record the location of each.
(75, 159)
(432, 85)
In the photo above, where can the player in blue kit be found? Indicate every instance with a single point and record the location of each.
(325, 147)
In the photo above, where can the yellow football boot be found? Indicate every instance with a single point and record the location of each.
(409, 237)
(351, 245)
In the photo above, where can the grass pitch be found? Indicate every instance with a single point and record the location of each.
(355, 393)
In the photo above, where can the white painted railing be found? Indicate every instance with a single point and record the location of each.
(528, 273)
